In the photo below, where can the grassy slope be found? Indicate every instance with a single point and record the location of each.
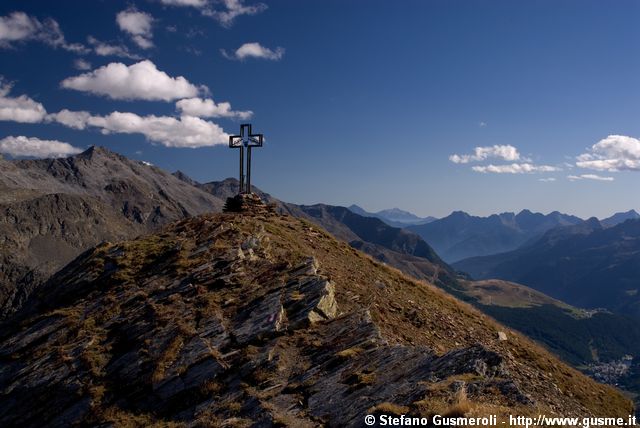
(407, 312)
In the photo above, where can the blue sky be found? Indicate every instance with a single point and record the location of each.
(361, 102)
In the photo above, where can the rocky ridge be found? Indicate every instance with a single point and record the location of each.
(261, 320)
(53, 209)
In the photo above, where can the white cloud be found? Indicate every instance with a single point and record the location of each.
(232, 10)
(208, 108)
(186, 131)
(515, 168)
(71, 119)
(254, 50)
(106, 49)
(19, 109)
(81, 64)
(505, 152)
(192, 3)
(589, 177)
(20, 27)
(547, 180)
(140, 81)
(138, 25)
(614, 153)
(482, 124)
(22, 146)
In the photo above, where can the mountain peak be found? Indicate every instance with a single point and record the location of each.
(184, 177)
(593, 222)
(95, 152)
(459, 214)
(620, 217)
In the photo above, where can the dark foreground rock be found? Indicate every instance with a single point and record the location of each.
(245, 320)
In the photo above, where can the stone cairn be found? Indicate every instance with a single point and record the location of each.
(248, 203)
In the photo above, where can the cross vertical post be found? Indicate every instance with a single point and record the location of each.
(249, 140)
(249, 169)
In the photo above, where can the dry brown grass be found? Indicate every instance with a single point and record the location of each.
(388, 409)
(461, 407)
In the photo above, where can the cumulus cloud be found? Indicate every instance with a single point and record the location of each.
(138, 25)
(185, 131)
(233, 9)
(614, 153)
(140, 81)
(504, 152)
(515, 168)
(19, 109)
(589, 177)
(19, 27)
(101, 48)
(71, 119)
(254, 50)
(208, 108)
(22, 146)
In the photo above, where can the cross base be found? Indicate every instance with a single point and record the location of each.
(247, 203)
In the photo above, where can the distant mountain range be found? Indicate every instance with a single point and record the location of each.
(393, 216)
(460, 235)
(585, 265)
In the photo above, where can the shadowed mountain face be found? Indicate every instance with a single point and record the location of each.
(393, 217)
(586, 266)
(53, 209)
(264, 319)
(460, 235)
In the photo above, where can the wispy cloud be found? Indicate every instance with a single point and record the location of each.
(504, 152)
(547, 180)
(192, 3)
(589, 177)
(254, 50)
(515, 168)
(81, 64)
(208, 108)
(101, 48)
(614, 153)
(233, 9)
(223, 11)
(18, 27)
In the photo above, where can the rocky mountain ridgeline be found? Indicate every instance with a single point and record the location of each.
(53, 209)
(258, 319)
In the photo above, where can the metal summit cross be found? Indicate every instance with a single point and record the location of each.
(248, 140)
